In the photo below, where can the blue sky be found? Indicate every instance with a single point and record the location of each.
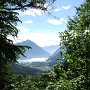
(43, 28)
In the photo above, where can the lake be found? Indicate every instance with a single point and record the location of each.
(33, 60)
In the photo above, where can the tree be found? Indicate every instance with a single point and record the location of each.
(8, 21)
(75, 45)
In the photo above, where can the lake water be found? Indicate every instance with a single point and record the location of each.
(33, 60)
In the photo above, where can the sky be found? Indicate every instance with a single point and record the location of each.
(43, 27)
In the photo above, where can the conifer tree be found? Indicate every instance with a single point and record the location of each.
(8, 21)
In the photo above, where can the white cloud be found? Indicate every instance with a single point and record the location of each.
(66, 21)
(63, 20)
(57, 10)
(32, 12)
(23, 29)
(66, 7)
(28, 22)
(56, 21)
(49, 30)
(41, 39)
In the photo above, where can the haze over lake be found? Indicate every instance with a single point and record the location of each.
(33, 60)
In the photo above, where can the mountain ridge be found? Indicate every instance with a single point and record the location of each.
(56, 56)
(51, 49)
(35, 52)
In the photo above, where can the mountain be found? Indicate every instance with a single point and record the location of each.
(51, 49)
(55, 56)
(35, 52)
(27, 70)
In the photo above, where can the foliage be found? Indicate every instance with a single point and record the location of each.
(73, 74)
(75, 45)
(23, 83)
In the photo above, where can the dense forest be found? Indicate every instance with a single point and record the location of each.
(72, 74)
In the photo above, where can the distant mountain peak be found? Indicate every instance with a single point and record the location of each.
(28, 41)
(35, 52)
(51, 49)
